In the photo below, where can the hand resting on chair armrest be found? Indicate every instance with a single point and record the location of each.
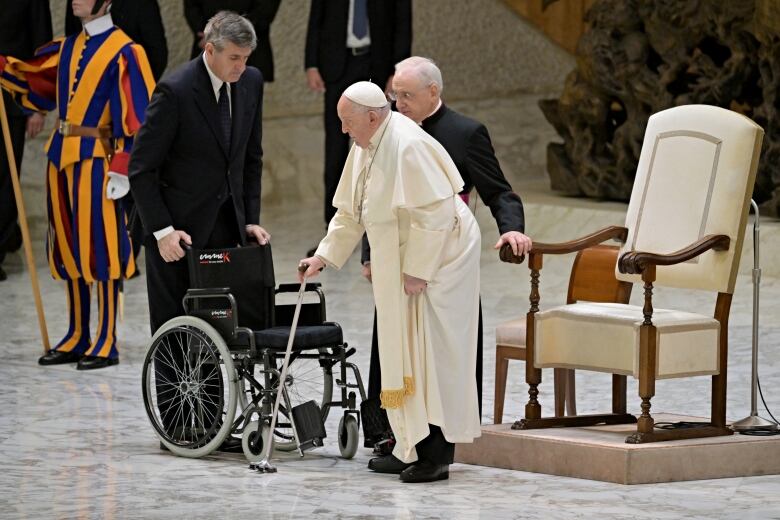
(635, 262)
(612, 232)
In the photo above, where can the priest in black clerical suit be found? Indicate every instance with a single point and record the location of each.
(417, 87)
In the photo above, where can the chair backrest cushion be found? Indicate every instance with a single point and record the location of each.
(695, 178)
(593, 277)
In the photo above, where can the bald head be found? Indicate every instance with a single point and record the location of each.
(417, 86)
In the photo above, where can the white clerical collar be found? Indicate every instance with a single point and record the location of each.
(374, 141)
(438, 106)
(99, 25)
(216, 83)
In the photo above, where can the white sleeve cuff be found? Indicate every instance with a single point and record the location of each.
(164, 232)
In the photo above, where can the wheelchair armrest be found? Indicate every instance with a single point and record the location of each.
(294, 287)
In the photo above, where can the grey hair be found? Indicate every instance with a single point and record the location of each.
(424, 68)
(227, 26)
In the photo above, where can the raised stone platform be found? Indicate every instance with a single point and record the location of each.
(600, 453)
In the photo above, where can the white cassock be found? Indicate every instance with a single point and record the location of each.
(402, 191)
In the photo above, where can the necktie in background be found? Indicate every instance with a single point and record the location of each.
(360, 19)
(223, 106)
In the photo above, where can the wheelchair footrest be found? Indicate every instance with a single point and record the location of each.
(308, 425)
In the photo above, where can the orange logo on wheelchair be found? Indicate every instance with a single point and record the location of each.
(214, 258)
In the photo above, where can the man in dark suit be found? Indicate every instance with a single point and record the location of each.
(260, 12)
(349, 41)
(141, 21)
(197, 160)
(417, 87)
(196, 165)
(24, 26)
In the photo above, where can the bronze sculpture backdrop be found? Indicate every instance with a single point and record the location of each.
(642, 56)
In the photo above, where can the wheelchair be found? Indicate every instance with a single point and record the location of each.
(214, 372)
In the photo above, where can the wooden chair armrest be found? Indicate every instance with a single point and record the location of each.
(635, 262)
(612, 232)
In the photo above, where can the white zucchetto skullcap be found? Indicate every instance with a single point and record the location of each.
(367, 94)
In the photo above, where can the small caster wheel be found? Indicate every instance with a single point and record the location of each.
(348, 436)
(253, 441)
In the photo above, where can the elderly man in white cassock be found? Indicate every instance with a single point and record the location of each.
(400, 187)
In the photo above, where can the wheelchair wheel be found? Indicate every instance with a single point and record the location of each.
(253, 441)
(348, 436)
(306, 380)
(189, 387)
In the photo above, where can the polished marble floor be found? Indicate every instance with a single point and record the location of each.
(78, 445)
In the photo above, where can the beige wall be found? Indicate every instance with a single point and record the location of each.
(483, 48)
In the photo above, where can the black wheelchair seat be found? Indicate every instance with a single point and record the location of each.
(306, 337)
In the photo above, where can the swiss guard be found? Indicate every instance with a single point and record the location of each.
(99, 82)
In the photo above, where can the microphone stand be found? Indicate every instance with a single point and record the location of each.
(753, 421)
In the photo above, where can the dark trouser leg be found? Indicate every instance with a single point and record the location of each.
(374, 369)
(435, 448)
(357, 68)
(10, 234)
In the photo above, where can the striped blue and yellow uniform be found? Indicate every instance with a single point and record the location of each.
(103, 80)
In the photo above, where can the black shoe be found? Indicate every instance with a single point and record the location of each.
(387, 464)
(94, 362)
(231, 445)
(310, 252)
(135, 274)
(56, 357)
(3, 275)
(425, 472)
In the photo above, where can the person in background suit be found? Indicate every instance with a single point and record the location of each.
(141, 21)
(196, 166)
(260, 12)
(349, 41)
(24, 26)
(417, 88)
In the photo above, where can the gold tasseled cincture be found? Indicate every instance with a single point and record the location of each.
(391, 399)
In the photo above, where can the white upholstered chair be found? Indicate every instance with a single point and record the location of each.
(684, 228)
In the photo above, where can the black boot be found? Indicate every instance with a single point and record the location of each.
(94, 362)
(425, 472)
(56, 357)
(387, 464)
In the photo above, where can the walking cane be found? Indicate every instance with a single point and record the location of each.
(23, 224)
(264, 465)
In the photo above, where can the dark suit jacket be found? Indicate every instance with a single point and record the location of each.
(390, 27)
(141, 21)
(180, 164)
(260, 12)
(468, 143)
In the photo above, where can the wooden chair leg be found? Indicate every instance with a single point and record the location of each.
(502, 366)
(571, 393)
(559, 384)
(618, 393)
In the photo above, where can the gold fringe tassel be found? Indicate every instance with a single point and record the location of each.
(408, 386)
(392, 399)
